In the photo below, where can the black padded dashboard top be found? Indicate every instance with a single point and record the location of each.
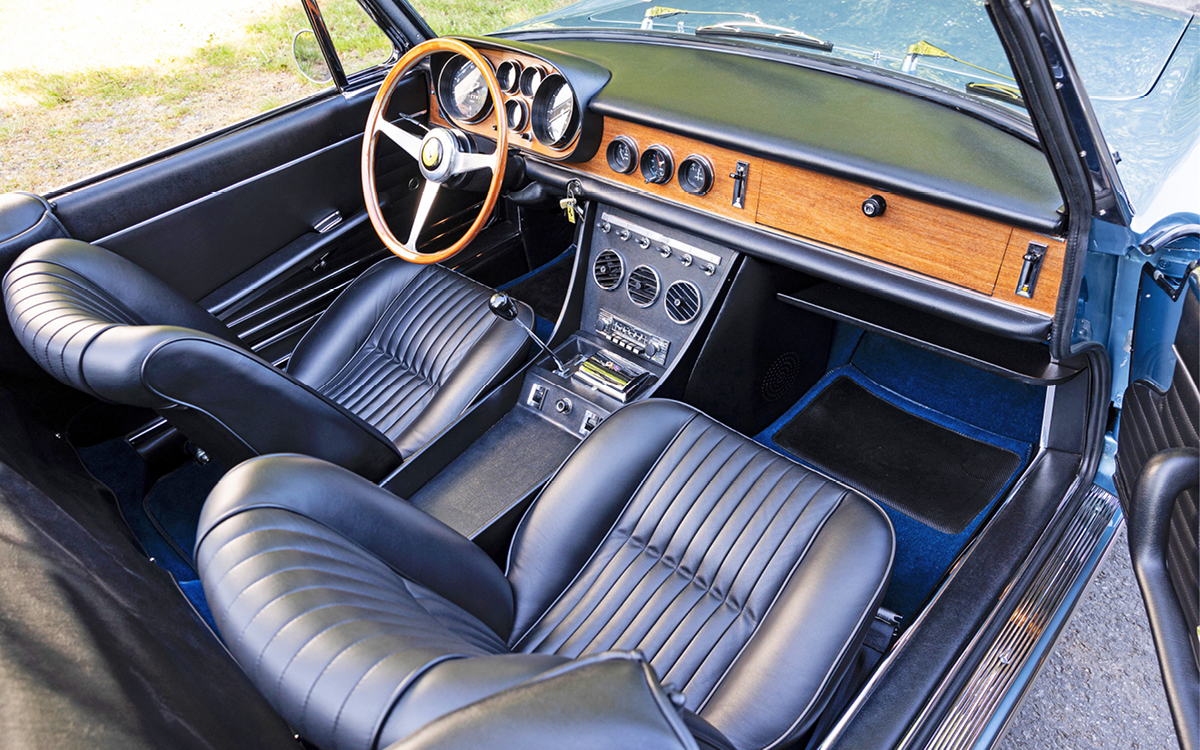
(832, 123)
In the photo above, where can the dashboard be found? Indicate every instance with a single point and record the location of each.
(912, 232)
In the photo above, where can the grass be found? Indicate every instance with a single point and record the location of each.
(56, 128)
(475, 17)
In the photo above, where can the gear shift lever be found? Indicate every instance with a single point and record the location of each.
(503, 307)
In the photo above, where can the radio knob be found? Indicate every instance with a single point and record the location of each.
(651, 349)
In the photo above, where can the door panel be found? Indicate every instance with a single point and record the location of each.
(201, 217)
(1158, 462)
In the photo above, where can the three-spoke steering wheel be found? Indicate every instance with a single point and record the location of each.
(439, 153)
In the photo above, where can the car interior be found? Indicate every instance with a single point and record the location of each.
(678, 439)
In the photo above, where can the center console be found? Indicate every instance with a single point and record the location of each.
(638, 299)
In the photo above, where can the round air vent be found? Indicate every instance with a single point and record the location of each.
(608, 269)
(642, 286)
(683, 302)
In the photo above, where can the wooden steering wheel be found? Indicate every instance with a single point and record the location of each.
(439, 154)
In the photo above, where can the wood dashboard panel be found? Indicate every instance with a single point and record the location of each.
(522, 138)
(719, 198)
(952, 246)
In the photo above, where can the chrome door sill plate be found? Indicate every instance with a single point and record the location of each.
(979, 714)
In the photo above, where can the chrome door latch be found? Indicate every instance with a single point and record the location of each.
(1027, 281)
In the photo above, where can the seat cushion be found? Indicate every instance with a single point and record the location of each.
(408, 348)
(746, 579)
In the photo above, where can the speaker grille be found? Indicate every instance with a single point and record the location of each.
(642, 286)
(608, 269)
(781, 376)
(683, 302)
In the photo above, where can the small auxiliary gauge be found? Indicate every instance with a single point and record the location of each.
(695, 175)
(517, 114)
(509, 76)
(622, 155)
(657, 166)
(531, 78)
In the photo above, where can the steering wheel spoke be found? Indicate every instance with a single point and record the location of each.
(428, 193)
(464, 163)
(402, 138)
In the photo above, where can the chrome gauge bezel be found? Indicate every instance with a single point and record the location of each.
(445, 93)
(643, 164)
(540, 110)
(705, 164)
(525, 83)
(516, 104)
(632, 144)
(518, 70)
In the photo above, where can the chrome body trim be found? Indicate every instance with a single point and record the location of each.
(987, 702)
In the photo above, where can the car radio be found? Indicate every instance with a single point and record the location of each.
(631, 338)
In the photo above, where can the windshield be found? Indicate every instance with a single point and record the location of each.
(950, 42)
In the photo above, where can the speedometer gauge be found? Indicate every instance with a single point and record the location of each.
(555, 114)
(463, 91)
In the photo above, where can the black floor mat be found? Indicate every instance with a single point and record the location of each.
(923, 470)
(546, 290)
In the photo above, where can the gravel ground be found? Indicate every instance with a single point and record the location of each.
(1101, 686)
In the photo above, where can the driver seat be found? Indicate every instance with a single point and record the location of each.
(401, 353)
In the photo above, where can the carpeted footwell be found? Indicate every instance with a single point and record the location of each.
(935, 442)
(162, 518)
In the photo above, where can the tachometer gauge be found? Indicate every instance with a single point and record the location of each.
(530, 80)
(517, 114)
(463, 91)
(695, 175)
(657, 165)
(509, 76)
(555, 112)
(622, 154)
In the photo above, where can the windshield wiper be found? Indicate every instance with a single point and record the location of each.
(998, 91)
(764, 32)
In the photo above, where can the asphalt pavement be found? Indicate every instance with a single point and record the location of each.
(1101, 687)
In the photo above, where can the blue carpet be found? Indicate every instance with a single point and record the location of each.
(162, 520)
(976, 404)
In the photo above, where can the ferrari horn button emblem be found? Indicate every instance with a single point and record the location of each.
(431, 153)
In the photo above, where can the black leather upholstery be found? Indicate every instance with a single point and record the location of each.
(404, 350)
(608, 700)
(746, 580)
(1157, 480)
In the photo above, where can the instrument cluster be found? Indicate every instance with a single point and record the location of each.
(539, 104)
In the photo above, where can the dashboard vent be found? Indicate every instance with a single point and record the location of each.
(642, 286)
(608, 269)
(683, 302)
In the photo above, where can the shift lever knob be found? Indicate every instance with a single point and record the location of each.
(502, 306)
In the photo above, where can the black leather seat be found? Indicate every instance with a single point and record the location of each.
(746, 580)
(397, 357)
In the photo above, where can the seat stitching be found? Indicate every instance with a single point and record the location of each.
(629, 536)
(766, 613)
(600, 542)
